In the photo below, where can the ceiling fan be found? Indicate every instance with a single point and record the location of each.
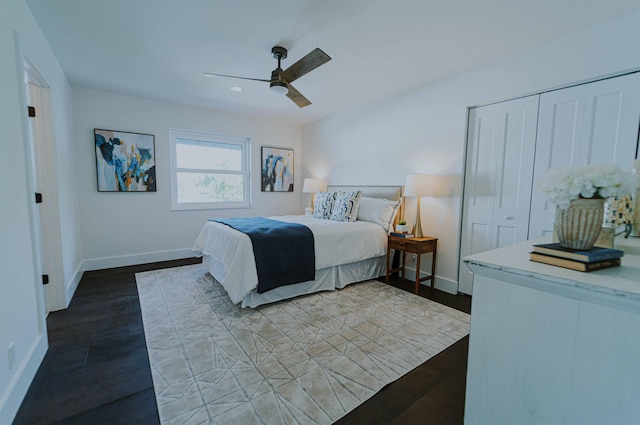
(280, 81)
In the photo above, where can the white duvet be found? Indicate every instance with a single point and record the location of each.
(335, 243)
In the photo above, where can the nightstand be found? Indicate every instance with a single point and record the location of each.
(416, 246)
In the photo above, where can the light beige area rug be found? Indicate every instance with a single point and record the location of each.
(309, 360)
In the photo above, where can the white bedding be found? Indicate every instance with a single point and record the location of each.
(231, 260)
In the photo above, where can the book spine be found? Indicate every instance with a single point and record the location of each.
(603, 257)
(579, 257)
(602, 264)
(574, 265)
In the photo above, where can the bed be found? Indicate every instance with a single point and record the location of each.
(345, 252)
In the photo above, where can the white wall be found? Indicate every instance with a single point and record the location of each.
(69, 200)
(132, 228)
(424, 130)
(22, 321)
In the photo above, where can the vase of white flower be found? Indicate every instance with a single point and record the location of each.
(579, 194)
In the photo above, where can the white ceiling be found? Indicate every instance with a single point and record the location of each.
(159, 49)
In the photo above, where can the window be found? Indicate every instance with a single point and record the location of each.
(209, 171)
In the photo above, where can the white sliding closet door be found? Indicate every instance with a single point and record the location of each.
(593, 123)
(612, 114)
(499, 170)
(558, 145)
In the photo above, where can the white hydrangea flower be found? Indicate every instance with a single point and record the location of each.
(560, 186)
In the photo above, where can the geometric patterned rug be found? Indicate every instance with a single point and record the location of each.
(309, 360)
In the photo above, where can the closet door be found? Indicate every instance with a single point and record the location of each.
(593, 123)
(612, 115)
(497, 194)
(558, 145)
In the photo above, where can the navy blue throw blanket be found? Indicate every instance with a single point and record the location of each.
(284, 252)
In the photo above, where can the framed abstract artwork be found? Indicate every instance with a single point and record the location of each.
(277, 169)
(125, 162)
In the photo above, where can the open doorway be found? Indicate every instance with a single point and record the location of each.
(46, 226)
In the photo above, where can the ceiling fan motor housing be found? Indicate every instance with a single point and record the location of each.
(277, 84)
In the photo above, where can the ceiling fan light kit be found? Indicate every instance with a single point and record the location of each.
(280, 81)
(279, 87)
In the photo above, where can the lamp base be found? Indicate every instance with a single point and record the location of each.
(417, 226)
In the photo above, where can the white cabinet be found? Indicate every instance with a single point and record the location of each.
(511, 145)
(553, 346)
(498, 178)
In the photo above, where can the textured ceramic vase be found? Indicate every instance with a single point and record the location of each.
(578, 226)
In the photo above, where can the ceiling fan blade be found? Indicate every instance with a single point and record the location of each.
(311, 61)
(297, 97)
(209, 74)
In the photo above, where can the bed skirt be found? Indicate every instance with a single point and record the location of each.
(326, 279)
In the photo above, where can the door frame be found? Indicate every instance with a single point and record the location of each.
(42, 177)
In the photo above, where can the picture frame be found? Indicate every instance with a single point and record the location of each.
(125, 161)
(277, 169)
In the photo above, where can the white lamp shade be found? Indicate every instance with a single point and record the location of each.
(419, 185)
(314, 186)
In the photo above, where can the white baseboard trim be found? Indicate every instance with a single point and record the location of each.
(70, 289)
(441, 283)
(19, 385)
(447, 285)
(135, 259)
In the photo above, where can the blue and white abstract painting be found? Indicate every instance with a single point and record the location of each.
(277, 169)
(125, 162)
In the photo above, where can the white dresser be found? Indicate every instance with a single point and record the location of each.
(550, 345)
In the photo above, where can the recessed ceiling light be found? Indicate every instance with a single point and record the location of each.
(235, 88)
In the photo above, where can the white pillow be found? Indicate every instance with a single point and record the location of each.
(322, 205)
(380, 211)
(345, 206)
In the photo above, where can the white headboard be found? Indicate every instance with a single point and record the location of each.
(392, 193)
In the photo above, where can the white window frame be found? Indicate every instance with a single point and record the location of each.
(244, 143)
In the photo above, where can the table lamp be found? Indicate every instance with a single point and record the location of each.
(419, 185)
(313, 186)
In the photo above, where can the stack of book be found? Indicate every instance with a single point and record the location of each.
(585, 261)
(401, 235)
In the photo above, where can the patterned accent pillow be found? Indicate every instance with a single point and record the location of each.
(345, 206)
(322, 205)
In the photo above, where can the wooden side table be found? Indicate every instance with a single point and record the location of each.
(416, 246)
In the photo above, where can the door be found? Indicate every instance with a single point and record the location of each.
(612, 114)
(589, 124)
(557, 146)
(498, 177)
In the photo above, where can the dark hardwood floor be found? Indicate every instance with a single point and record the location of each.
(96, 370)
